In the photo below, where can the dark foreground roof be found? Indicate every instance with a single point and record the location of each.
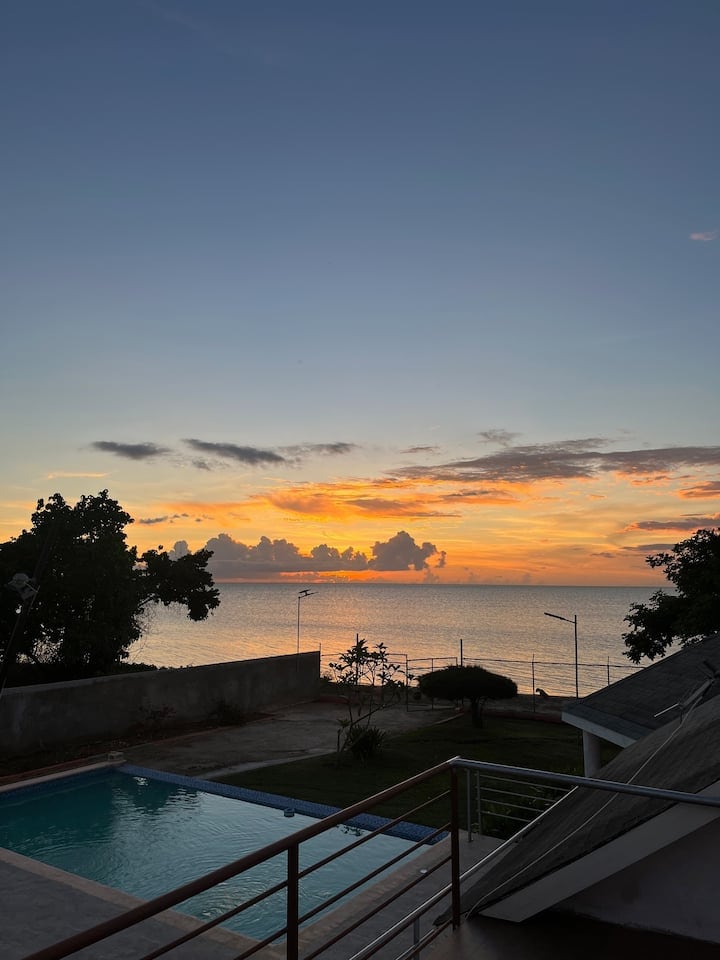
(628, 710)
(683, 755)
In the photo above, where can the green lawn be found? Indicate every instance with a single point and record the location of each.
(526, 743)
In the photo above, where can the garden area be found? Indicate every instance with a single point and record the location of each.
(340, 780)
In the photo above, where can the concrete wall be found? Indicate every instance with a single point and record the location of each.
(34, 718)
(673, 891)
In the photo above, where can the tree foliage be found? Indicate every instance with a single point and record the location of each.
(692, 612)
(467, 683)
(94, 590)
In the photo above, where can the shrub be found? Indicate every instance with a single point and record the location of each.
(364, 742)
(468, 683)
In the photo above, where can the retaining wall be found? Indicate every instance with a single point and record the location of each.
(46, 715)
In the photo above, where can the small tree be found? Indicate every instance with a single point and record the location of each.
(364, 676)
(689, 614)
(467, 683)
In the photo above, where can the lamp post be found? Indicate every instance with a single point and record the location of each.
(301, 596)
(574, 623)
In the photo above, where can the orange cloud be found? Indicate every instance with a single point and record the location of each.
(709, 490)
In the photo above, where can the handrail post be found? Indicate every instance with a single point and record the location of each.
(455, 845)
(468, 805)
(293, 909)
(478, 795)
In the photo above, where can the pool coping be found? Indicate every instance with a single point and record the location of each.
(405, 830)
(28, 783)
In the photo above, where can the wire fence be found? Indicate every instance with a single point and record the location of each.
(554, 678)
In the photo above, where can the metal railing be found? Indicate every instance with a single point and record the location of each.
(499, 806)
(554, 677)
(290, 846)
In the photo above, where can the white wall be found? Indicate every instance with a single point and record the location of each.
(675, 890)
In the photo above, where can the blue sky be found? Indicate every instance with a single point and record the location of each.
(374, 240)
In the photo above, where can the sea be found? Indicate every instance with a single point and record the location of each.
(423, 627)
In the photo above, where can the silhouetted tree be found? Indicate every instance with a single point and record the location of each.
(689, 614)
(94, 591)
(467, 683)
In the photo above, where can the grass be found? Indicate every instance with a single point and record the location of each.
(526, 743)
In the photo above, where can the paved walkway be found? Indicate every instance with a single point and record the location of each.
(288, 733)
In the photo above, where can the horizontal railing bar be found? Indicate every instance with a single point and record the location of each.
(403, 924)
(216, 921)
(487, 779)
(543, 663)
(508, 816)
(500, 792)
(370, 836)
(371, 912)
(512, 805)
(497, 796)
(358, 883)
(491, 811)
(424, 941)
(260, 944)
(611, 786)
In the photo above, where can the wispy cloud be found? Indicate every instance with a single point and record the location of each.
(217, 455)
(131, 451)
(421, 449)
(502, 437)
(67, 475)
(418, 509)
(643, 549)
(705, 236)
(702, 491)
(300, 451)
(677, 523)
(168, 518)
(253, 456)
(564, 460)
(375, 499)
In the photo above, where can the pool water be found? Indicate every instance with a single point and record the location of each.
(146, 836)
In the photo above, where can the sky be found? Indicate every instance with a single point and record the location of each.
(383, 290)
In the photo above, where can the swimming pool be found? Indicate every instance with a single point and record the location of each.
(145, 835)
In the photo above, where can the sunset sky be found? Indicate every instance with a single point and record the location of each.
(391, 289)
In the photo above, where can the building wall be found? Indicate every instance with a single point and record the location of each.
(673, 891)
(36, 717)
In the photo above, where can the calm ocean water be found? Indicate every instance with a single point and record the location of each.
(502, 627)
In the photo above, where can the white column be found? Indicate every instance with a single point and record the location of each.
(591, 753)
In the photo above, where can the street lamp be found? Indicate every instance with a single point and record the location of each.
(574, 623)
(301, 596)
